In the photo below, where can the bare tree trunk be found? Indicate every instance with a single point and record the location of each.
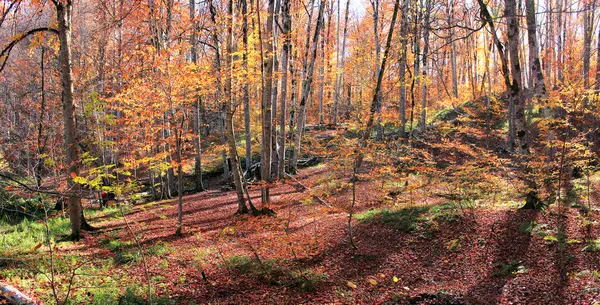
(516, 99)
(222, 115)
(548, 59)
(229, 113)
(453, 48)
(246, 97)
(487, 18)
(536, 77)
(306, 86)
(196, 115)
(559, 49)
(199, 183)
(274, 91)
(423, 121)
(63, 14)
(402, 65)
(294, 92)
(294, 110)
(325, 59)
(375, 101)
(336, 88)
(339, 76)
(588, 28)
(343, 52)
(287, 49)
(267, 84)
(178, 156)
(417, 65)
(375, 6)
(597, 86)
(41, 143)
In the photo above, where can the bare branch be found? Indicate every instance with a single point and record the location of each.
(6, 51)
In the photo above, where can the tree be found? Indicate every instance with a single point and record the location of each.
(423, 121)
(229, 112)
(589, 7)
(287, 50)
(246, 97)
(536, 77)
(306, 87)
(402, 67)
(196, 108)
(339, 76)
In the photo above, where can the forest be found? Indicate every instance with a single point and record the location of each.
(299, 152)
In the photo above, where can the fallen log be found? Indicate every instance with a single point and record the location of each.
(12, 296)
(321, 201)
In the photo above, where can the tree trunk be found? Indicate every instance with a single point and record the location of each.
(178, 139)
(199, 187)
(453, 48)
(336, 88)
(222, 114)
(536, 76)
(64, 10)
(516, 100)
(287, 49)
(343, 52)
(416, 66)
(229, 113)
(375, 101)
(294, 110)
(375, 6)
(325, 60)
(588, 28)
(339, 75)
(267, 85)
(274, 91)
(423, 121)
(306, 86)
(41, 143)
(559, 40)
(246, 97)
(598, 63)
(402, 67)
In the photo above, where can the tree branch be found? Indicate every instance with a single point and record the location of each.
(6, 51)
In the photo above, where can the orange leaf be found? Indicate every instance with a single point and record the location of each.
(37, 246)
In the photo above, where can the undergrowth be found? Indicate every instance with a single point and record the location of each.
(276, 272)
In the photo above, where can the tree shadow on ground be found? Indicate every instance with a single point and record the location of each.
(505, 254)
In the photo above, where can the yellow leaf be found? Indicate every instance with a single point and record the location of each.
(351, 285)
(373, 282)
(395, 279)
(382, 275)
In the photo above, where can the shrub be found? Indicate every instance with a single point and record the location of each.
(508, 268)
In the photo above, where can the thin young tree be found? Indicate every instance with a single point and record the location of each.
(286, 51)
(196, 108)
(423, 121)
(402, 67)
(306, 88)
(229, 113)
(267, 63)
(536, 77)
(364, 139)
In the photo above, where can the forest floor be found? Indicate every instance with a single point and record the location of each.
(423, 253)
(454, 236)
